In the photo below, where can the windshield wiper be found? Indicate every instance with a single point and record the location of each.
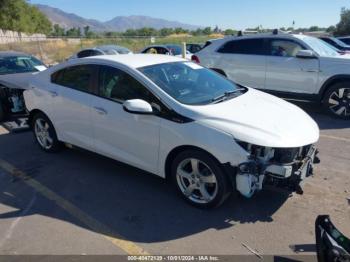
(226, 95)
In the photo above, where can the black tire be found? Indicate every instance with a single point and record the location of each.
(220, 191)
(55, 145)
(2, 112)
(334, 104)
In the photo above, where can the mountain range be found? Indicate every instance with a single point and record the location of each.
(117, 24)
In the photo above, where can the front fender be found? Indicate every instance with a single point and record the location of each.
(219, 144)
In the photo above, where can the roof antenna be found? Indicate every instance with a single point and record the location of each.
(240, 33)
(275, 32)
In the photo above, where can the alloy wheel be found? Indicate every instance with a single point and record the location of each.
(42, 133)
(339, 102)
(196, 181)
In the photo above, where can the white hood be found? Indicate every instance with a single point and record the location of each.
(17, 81)
(261, 119)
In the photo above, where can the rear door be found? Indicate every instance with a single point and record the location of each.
(71, 92)
(244, 61)
(288, 73)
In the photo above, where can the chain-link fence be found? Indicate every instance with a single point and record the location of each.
(54, 50)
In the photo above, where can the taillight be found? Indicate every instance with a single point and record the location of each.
(195, 59)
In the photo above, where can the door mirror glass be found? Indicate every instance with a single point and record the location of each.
(306, 54)
(138, 106)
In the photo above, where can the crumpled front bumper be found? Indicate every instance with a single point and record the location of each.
(254, 175)
(291, 176)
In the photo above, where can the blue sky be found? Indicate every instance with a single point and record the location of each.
(235, 14)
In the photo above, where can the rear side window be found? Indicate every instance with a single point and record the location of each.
(76, 77)
(244, 47)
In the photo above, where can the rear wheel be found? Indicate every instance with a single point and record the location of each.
(200, 180)
(337, 100)
(45, 134)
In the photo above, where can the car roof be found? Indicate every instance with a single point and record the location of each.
(139, 60)
(12, 53)
(109, 47)
(263, 35)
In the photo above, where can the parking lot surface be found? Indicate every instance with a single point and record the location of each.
(76, 202)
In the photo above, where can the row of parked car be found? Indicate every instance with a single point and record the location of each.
(179, 120)
(171, 117)
(209, 131)
(290, 66)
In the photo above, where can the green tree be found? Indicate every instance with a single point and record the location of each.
(343, 27)
(216, 30)
(207, 31)
(74, 32)
(87, 32)
(57, 30)
(166, 31)
(18, 15)
(229, 32)
(331, 29)
(314, 28)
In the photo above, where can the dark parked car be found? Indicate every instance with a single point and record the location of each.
(168, 49)
(345, 39)
(336, 43)
(102, 50)
(11, 97)
(194, 48)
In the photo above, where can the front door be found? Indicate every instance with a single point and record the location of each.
(288, 73)
(124, 136)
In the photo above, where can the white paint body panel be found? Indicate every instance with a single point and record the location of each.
(145, 141)
(284, 74)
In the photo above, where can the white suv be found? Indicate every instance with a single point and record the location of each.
(287, 65)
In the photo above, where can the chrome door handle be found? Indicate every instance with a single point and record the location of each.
(53, 93)
(101, 110)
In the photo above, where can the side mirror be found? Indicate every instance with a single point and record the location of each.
(138, 106)
(306, 54)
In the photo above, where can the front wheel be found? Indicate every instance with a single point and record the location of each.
(45, 134)
(337, 100)
(200, 180)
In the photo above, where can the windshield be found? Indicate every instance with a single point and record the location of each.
(175, 49)
(189, 83)
(320, 47)
(338, 42)
(19, 64)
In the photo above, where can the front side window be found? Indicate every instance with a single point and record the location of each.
(190, 83)
(244, 47)
(117, 85)
(76, 77)
(284, 48)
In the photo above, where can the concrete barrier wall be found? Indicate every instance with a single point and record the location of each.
(7, 36)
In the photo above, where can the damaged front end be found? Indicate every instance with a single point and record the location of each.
(284, 168)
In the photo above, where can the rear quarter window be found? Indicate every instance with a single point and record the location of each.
(244, 47)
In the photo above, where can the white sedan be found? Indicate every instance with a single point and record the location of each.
(175, 119)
